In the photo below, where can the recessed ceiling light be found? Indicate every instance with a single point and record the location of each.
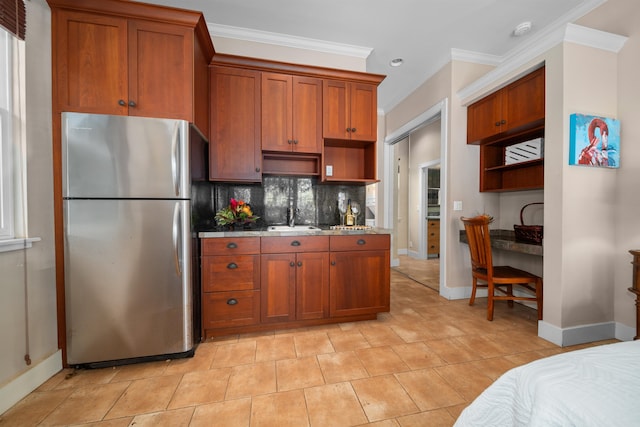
(396, 62)
(522, 29)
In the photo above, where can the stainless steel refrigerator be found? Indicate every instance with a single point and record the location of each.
(127, 239)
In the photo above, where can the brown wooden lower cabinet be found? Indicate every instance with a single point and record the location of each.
(359, 275)
(292, 281)
(433, 237)
(294, 286)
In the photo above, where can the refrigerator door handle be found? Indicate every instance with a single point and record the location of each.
(177, 237)
(176, 161)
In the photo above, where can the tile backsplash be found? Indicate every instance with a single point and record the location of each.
(317, 204)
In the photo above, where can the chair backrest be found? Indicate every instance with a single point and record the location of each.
(477, 229)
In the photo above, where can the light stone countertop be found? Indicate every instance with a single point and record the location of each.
(262, 232)
(506, 240)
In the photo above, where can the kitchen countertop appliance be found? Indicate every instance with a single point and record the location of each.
(129, 294)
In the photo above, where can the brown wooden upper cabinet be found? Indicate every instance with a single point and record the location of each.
(234, 140)
(350, 111)
(512, 115)
(127, 58)
(310, 120)
(291, 113)
(515, 108)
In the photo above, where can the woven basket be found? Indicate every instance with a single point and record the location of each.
(528, 233)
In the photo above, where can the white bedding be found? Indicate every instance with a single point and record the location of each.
(598, 386)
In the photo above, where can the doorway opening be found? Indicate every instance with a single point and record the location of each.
(413, 154)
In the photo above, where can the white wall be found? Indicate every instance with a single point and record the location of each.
(424, 146)
(401, 195)
(27, 285)
(627, 213)
(288, 54)
(623, 17)
(588, 199)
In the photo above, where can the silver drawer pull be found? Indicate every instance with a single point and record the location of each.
(232, 266)
(361, 242)
(295, 243)
(232, 301)
(231, 245)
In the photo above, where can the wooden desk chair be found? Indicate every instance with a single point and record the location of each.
(496, 278)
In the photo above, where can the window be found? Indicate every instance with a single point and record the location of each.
(6, 137)
(13, 209)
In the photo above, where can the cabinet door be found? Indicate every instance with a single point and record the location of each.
(433, 237)
(277, 281)
(277, 98)
(307, 115)
(161, 61)
(483, 118)
(312, 285)
(234, 140)
(363, 114)
(90, 52)
(358, 283)
(523, 100)
(335, 110)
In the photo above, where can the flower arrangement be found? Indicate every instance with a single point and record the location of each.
(238, 212)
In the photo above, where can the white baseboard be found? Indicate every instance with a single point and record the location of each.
(462, 292)
(13, 391)
(563, 337)
(584, 333)
(624, 332)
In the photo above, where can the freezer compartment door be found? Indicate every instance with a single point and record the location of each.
(128, 289)
(124, 157)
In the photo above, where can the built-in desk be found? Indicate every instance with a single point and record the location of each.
(506, 240)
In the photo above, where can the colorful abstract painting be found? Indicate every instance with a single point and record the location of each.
(594, 141)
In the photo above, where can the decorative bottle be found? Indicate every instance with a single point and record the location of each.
(349, 218)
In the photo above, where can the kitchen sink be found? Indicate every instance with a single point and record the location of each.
(296, 228)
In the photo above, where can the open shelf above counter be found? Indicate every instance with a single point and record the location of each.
(496, 176)
(349, 161)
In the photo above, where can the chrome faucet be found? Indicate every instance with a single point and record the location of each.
(291, 216)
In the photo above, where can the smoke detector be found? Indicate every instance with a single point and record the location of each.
(522, 29)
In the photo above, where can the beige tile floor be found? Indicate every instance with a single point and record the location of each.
(418, 365)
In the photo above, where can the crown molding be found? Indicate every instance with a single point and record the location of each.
(560, 31)
(245, 34)
(594, 38)
(475, 57)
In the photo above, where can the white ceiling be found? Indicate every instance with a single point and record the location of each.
(422, 32)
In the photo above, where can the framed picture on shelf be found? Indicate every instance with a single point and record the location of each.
(594, 141)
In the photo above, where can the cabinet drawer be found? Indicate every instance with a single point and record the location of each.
(229, 309)
(231, 245)
(285, 244)
(230, 273)
(360, 242)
